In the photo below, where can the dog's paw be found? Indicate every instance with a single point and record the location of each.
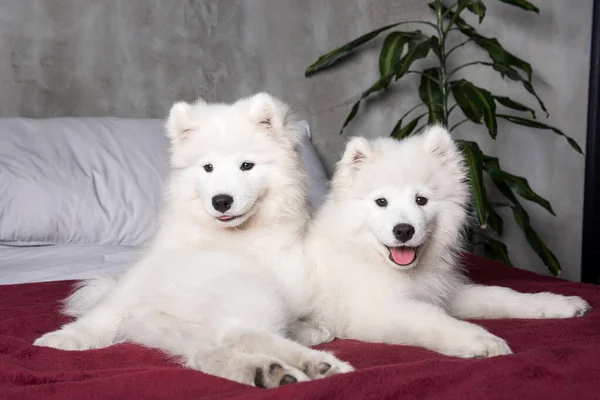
(550, 305)
(274, 374)
(489, 346)
(580, 306)
(480, 344)
(63, 340)
(321, 364)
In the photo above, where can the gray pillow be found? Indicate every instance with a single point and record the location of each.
(91, 180)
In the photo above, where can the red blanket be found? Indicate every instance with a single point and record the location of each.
(553, 358)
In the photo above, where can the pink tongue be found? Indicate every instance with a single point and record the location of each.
(403, 255)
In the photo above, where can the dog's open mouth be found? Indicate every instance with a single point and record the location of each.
(403, 255)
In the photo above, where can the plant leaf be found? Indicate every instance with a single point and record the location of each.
(535, 242)
(381, 84)
(515, 105)
(337, 55)
(522, 218)
(512, 74)
(415, 51)
(495, 220)
(496, 52)
(503, 61)
(499, 55)
(469, 108)
(351, 116)
(525, 5)
(499, 204)
(491, 164)
(431, 95)
(520, 185)
(392, 49)
(475, 6)
(529, 87)
(476, 102)
(538, 125)
(436, 47)
(400, 132)
(496, 250)
(474, 159)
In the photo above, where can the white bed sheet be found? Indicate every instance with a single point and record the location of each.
(63, 262)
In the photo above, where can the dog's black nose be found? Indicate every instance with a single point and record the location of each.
(403, 232)
(222, 202)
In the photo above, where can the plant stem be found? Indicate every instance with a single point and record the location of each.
(467, 65)
(420, 128)
(448, 10)
(449, 26)
(442, 57)
(458, 124)
(431, 24)
(457, 46)
(424, 74)
(451, 109)
(412, 109)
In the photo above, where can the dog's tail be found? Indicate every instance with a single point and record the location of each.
(87, 294)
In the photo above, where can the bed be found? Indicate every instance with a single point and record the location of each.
(553, 358)
(79, 198)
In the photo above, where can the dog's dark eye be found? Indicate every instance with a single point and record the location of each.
(208, 167)
(247, 166)
(381, 202)
(420, 200)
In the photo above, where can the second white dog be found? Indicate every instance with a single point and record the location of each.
(385, 245)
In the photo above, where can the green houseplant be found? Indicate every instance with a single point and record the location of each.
(441, 94)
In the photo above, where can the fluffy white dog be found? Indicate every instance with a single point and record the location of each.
(385, 248)
(226, 279)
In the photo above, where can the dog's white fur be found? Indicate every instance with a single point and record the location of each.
(364, 295)
(220, 294)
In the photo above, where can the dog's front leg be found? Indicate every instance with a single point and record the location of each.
(96, 329)
(425, 325)
(478, 301)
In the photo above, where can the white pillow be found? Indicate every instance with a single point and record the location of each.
(91, 180)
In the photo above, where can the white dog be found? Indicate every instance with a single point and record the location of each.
(385, 245)
(226, 278)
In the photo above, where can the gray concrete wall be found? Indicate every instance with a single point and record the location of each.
(132, 58)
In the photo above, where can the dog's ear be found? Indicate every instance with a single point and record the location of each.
(358, 150)
(275, 117)
(438, 141)
(180, 122)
